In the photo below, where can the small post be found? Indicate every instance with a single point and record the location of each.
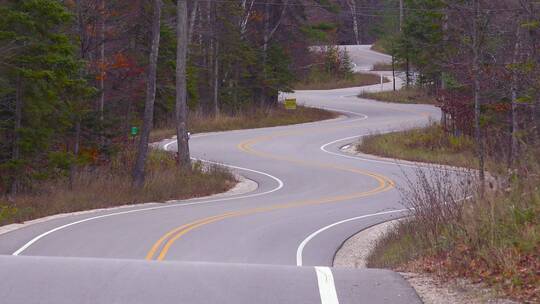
(382, 81)
(393, 73)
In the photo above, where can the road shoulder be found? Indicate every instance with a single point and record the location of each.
(243, 186)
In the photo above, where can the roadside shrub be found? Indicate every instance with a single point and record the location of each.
(415, 95)
(494, 238)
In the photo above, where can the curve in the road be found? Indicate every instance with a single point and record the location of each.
(239, 249)
(160, 249)
(279, 182)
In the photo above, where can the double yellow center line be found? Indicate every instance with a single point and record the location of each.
(161, 247)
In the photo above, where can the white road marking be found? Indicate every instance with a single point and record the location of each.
(393, 162)
(300, 249)
(327, 287)
(279, 186)
(362, 116)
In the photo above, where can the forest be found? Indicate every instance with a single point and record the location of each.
(82, 83)
(479, 62)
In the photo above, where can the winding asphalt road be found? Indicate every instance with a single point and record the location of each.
(273, 245)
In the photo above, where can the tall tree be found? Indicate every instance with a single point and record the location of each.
(354, 15)
(181, 86)
(142, 151)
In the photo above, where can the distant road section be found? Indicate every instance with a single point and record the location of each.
(364, 58)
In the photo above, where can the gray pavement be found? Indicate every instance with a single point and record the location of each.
(239, 249)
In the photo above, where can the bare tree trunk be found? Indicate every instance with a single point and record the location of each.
(266, 39)
(16, 154)
(192, 20)
(354, 15)
(142, 151)
(514, 119)
(216, 78)
(215, 74)
(407, 71)
(181, 89)
(82, 55)
(76, 148)
(81, 29)
(394, 72)
(211, 27)
(476, 94)
(401, 15)
(268, 34)
(102, 61)
(247, 14)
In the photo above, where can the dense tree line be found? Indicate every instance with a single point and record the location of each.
(76, 76)
(481, 59)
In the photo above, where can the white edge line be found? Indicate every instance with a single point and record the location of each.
(300, 249)
(327, 287)
(279, 186)
(387, 162)
(362, 116)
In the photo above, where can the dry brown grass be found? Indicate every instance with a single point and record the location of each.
(494, 239)
(110, 185)
(378, 46)
(383, 66)
(405, 95)
(255, 118)
(430, 145)
(356, 80)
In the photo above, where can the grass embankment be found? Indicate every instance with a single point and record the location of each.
(110, 185)
(325, 83)
(383, 66)
(257, 118)
(430, 145)
(405, 95)
(379, 46)
(494, 240)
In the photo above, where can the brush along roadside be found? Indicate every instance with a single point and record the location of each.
(412, 95)
(246, 119)
(109, 185)
(355, 80)
(492, 239)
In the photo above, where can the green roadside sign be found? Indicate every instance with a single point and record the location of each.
(290, 103)
(134, 131)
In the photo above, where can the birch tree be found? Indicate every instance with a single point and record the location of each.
(354, 15)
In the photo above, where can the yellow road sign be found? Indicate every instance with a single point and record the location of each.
(290, 103)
